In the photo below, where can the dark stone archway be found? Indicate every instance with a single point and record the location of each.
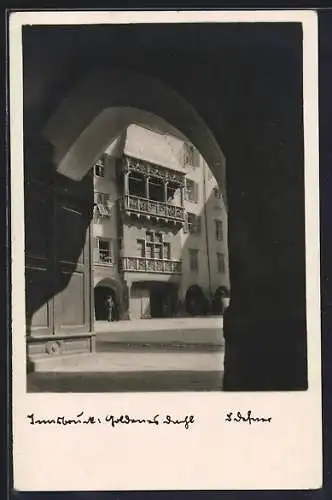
(244, 83)
(195, 301)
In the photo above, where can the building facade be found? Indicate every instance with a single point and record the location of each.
(159, 229)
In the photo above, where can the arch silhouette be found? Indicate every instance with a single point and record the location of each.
(105, 102)
(103, 288)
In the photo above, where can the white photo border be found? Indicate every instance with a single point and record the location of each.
(212, 456)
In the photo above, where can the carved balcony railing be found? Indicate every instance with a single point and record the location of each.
(147, 265)
(153, 208)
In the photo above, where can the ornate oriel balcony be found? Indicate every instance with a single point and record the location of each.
(152, 190)
(148, 265)
(152, 208)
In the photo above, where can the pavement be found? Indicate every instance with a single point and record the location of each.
(124, 382)
(177, 354)
(156, 324)
(132, 372)
(166, 331)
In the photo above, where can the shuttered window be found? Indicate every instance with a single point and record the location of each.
(103, 205)
(191, 191)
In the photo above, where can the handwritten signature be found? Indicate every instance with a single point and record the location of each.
(155, 420)
(112, 420)
(247, 418)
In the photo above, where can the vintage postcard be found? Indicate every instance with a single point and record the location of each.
(165, 250)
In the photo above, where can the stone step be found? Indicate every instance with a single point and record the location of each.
(131, 361)
(105, 346)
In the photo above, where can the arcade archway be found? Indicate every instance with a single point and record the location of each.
(266, 236)
(195, 301)
(80, 133)
(103, 289)
(102, 312)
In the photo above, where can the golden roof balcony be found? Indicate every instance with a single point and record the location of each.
(152, 209)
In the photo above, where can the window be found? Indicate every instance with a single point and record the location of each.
(100, 167)
(99, 171)
(220, 262)
(217, 193)
(158, 251)
(219, 235)
(104, 251)
(149, 253)
(166, 251)
(191, 191)
(141, 248)
(154, 246)
(103, 205)
(193, 223)
(193, 259)
(191, 155)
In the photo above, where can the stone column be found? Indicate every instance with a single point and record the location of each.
(265, 324)
(182, 195)
(147, 187)
(126, 300)
(165, 191)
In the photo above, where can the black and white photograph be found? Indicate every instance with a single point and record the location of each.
(168, 227)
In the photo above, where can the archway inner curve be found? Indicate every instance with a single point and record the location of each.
(103, 104)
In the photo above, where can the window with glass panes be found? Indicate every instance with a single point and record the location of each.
(154, 246)
(193, 223)
(191, 191)
(103, 254)
(219, 235)
(217, 193)
(99, 169)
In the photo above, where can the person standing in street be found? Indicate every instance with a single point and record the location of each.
(110, 307)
